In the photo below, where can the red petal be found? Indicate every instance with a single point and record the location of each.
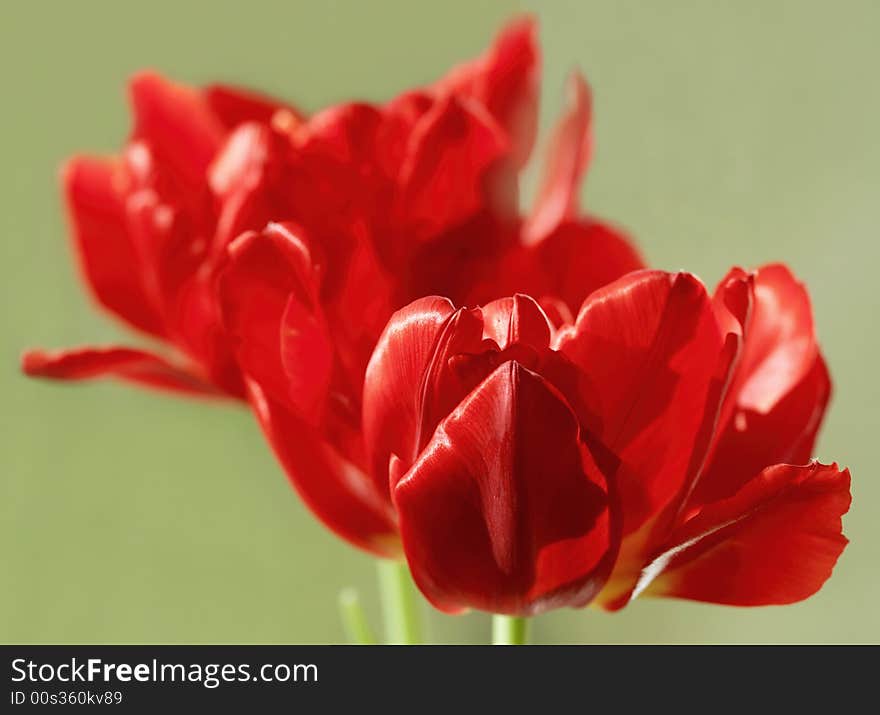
(123, 363)
(410, 385)
(268, 296)
(774, 542)
(649, 347)
(446, 382)
(346, 134)
(505, 510)
(394, 382)
(506, 81)
(363, 289)
(307, 357)
(171, 247)
(582, 256)
(238, 180)
(567, 157)
(733, 300)
(516, 320)
(510, 85)
(781, 385)
(399, 117)
(177, 123)
(235, 105)
(336, 491)
(203, 337)
(241, 162)
(557, 311)
(465, 263)
(442, 181)
(752, 441)
(107, 256)
(578, 258)
(780, 342)
(333, 180)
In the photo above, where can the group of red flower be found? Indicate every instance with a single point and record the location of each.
(595, 431)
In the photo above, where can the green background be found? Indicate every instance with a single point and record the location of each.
(726, 133)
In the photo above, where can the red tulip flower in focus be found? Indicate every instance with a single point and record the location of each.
(660, 444)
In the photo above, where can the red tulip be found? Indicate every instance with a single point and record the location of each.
(658, 445)
(502, 502)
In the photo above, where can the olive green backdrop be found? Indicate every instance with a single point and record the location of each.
(726, 133)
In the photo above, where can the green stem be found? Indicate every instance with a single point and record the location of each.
(354, 620)
(509, 630)
(400, 607)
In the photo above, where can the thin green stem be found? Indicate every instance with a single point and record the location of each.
(354, 620)
(400, 606)
(509, 630)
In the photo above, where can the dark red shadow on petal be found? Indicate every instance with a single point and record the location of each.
(505, 510)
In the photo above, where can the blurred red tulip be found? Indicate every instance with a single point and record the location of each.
(660, 444)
